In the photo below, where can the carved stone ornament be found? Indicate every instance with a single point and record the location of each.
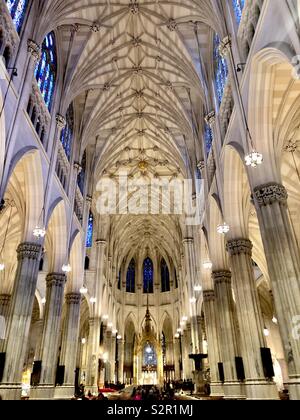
(239, 246)
(268, 194)
(29, 250)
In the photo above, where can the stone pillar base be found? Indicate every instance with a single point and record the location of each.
(92, 389)
(11, 392)
(64, 392)
(42, 392)
(294, 388)
(216, 389)
(234, 391)
(261, 390)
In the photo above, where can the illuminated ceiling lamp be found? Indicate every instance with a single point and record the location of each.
(223, 228)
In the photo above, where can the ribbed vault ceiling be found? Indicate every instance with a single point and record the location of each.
(137, 74)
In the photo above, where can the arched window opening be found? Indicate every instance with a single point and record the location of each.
(81, 175)
(7, 55)
(41, 265)
(221, 69)
(130, 277)
(87, 263)
(90, 228)
(208, 136)
(238, 6)
(176, 279)
(148, 276)
(66, 137)
(46, 69)
(17, 10)
(165, 277)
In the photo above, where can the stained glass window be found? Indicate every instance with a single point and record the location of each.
(81, 175)
(45, 71)
(149, 358)
(66, 137)
(238, 6)
(130, 277)
(164, 348)
(148, 276)
(17, 10)
(165, 277)
(89, 236)
(208, 135)
(221, 69)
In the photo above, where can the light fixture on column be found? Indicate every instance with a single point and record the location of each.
(198, 288)
(119, 337)
(83, 290)
(83, 341)
(39, 232)
(93, 300)
(185, 319)
(179, 330)
(44, 301)
(266, 331)
(66, 268)
(193, 300)
(2, 266)
(177, 335)
(254, 159)
(105, 317)
(207, 265)
(275, 320)
(115, 332)
(182, 323)
(223, 228)
(110, 325)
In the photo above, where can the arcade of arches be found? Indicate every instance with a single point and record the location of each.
(163, 91)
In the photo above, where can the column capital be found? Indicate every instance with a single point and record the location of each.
(209, 295)
(210, 118)
(89, 199)
(225, 46)
(101, 242)
(29, 250)
(188, 241)
(201, 165)
(73, 298)
(60, 121)
(34, 49)
(5, 299)
(77, 167)
(56, 280)
(239, 246)
(220, 277)
(268, 194)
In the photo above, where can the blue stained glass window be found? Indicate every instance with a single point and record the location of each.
(208, 135)
(221, 69)
(17, 10)
(150, 358)
(130, 277)
(238, 6)
(148, 276)
(89, 235)
(45, 71)
(81, 176)
(66, 136)
(165, 277)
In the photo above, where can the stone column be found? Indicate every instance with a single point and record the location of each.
(93, 355)
(209, 307)
(20, 318)
(4, 312)
(283, 259)
(121, 344)
(249, 319)
(190, 259)
(112, 357)
(69, 345)
(177, 358)
(186, 350)
(228, 340)
(107, 350)
(51, 334)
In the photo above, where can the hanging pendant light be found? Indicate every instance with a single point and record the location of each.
(66, 268)
(254, 159)
(39, 232)
(223, 228)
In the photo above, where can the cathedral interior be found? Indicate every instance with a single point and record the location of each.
(194, 107)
